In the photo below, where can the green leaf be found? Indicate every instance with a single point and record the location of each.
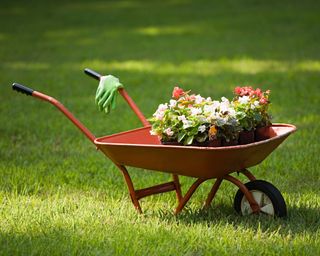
(181, 136)
(189, 140)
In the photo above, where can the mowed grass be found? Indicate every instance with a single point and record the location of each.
(59, 196)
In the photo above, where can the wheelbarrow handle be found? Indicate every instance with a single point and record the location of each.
(28, 91)
(92, 73)
(23, 89)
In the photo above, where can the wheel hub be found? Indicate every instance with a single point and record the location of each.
(262, 200)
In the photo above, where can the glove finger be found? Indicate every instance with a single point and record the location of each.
(109, 99)
(114, 101)
(107, 109)
(99, 92)
(103, 99)
(100, 107)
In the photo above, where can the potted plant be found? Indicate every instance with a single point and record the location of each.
(223, 118)
(182, 120)
(252, 113)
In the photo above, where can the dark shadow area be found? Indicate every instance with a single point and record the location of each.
(58, 241)
(166, 30)
(299, 220)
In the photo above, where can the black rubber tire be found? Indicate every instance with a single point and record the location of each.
(278, 203)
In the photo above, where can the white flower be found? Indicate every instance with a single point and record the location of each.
(182, 118)
(224, 107)
(244, 99)
(255, 104)
(216, 103)
(186, 124)
(208, 109)
(231, 112)
(173, 103)
(168, 131)
(224, 99)
(159, 114)
(152, 132)
(221, 121)
(202, 128)
(198, 99)
(203, 119)
(162, 107)
(196, 111)
(209, 99)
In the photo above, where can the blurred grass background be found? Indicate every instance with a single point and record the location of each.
(59, 196)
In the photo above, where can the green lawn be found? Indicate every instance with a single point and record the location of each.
(59, 196)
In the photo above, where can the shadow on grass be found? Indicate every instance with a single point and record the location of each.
(53, 242)
(299, 220)
(215, 30)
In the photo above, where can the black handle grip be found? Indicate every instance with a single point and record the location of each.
(92, 73)
(21, 88)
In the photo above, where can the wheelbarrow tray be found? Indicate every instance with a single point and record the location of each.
(138, 148)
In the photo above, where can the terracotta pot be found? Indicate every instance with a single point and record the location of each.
(246, 137)
(210, 143)
(215, 143)
(229, 143)
(262, 133)
(172, 143)
(199, 144)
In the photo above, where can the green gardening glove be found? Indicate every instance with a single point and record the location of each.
(107, 92)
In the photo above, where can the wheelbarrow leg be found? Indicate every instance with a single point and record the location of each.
(177, 186)
(189, 193)
(254, 206)
(213, 192)
(248, 174)
(131, 189)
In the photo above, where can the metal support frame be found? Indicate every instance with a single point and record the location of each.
(137, 194)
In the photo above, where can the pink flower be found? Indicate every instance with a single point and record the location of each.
(263, 101)
(177, 92)
(244, 91)
(169, 132)
(258, 92)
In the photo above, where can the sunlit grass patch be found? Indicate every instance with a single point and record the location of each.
(207, 67)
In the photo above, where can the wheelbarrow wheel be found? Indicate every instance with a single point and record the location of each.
(266, 195)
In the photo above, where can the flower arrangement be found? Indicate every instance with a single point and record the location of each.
(190, 119)
(183, 119)
(251, 107)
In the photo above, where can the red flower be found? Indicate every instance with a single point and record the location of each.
(237, 90)
(177, 92)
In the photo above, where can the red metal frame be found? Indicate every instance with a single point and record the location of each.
(137, 194)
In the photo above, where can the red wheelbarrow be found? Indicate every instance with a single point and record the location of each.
(138, 148)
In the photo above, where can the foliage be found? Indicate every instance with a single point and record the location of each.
(251, 107)
(188, 118)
